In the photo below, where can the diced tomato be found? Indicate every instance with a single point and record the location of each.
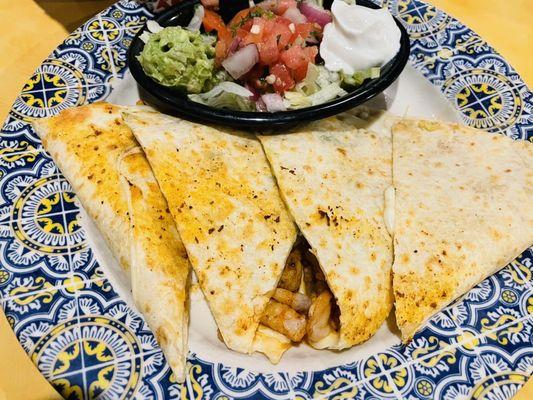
(297, 60)
(278, 6)
(283, 77)
(221, 50)
(256, 32)
(268, 50)
(241, 33)
(281, 32)
(299, 73)
(284, 5)
(283, 21)
(247, 25)
(213, 22)
(294, 57)
(265, 24)
(311, 53)
(305, 31)
(251, 38)
(281, 53)
(241, 17)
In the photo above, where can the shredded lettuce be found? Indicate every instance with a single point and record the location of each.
(327, 93)
(228, 95)
(320, 85)
(295, 99)
(359, 77)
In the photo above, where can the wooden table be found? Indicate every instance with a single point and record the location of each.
(31, 29)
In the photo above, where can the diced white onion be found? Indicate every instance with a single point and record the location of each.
(316, 14)
(294, 15)
(196, 20)
(241, 61)
(153, 26)
(273, 102)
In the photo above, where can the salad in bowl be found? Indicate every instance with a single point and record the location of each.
(271, 56)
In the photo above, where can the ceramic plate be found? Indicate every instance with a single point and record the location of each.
(70, 306)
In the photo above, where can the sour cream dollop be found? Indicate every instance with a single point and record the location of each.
(358, 38)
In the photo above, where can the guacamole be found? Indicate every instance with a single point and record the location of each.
(180, 59)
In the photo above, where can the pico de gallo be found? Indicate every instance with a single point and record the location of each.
(266, 58)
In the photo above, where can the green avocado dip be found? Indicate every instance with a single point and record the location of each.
(181, 59)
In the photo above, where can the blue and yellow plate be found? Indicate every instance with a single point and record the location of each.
(89, 342)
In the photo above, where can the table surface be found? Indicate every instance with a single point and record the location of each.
(504, 24)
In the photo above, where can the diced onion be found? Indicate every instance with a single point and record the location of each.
(273, 102)
(153, 26)
(234, 45)
(268, 4)
(316, 14)
(145, 36)
(196, 20)
(260, 105)
(241, 61)
(294, 15)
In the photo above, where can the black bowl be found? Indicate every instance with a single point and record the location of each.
(175, 102)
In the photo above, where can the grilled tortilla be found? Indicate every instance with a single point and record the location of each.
(229, 214)
(461, 213)
(332, 177)
(99, 156)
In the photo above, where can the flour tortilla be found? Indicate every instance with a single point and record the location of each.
(99, 156)
(159, 265)
(229, 214)
(332, 177)
(462, 213)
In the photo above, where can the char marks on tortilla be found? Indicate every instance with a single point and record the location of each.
(228, 211)
(98, 154)
(333, 178)
(461, 214)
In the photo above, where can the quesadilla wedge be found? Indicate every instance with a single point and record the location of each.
(461, 213)
(99, 156)
(332, 177)
(230, 216)
(159, 265)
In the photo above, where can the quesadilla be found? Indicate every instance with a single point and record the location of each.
(230, 216)
(99, 156)
(333, 177)
(159, 265)
(461, 213)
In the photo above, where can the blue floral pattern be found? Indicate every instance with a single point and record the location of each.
(88, 342)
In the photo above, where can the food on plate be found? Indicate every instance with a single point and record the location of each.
(159, 263)
(291, 235)
(230, 216)
(181, 59)
(333, 178)
(266, 58)
(302, 307)
(97, 153)
(359, 38)
(461, 213)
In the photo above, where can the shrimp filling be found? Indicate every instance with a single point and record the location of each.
(302, 306)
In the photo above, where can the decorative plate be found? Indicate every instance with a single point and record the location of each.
(71, 309)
